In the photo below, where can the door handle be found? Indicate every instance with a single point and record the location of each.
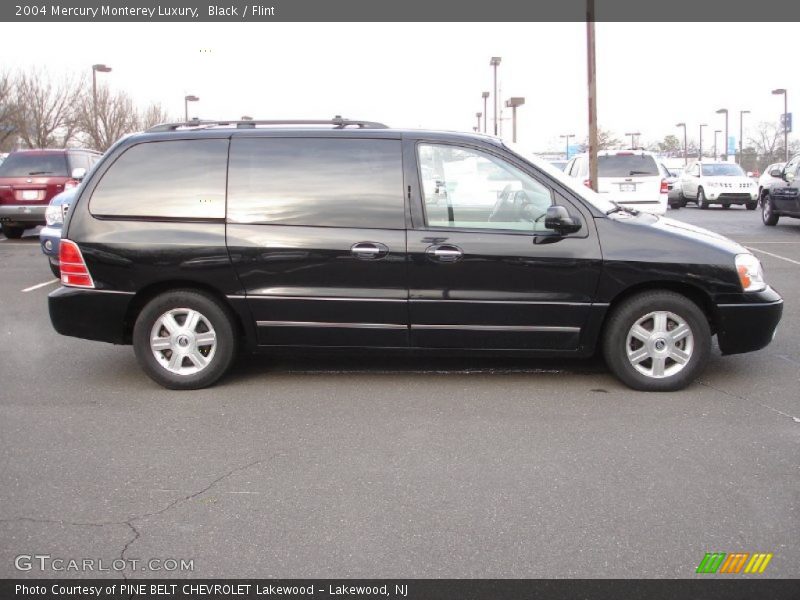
(444, 253)
(369, 250)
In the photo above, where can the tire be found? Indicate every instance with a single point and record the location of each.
(752, 205)
(701, 199)
(664, 312)
(13, 232)
(201, 364)
(56, 269)
(768, 215)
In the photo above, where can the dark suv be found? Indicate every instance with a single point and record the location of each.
(30, 178)
(781, 196)
(194, 240)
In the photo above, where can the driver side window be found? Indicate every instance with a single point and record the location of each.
(466, 188)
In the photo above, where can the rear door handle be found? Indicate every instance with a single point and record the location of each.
(369, 250)
(444, 253)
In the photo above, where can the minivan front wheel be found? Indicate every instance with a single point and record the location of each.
(184, 340)
(657, 341)
(701, 199)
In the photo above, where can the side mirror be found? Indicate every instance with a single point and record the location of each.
(560, 221)
(78, 173)
(776, 173)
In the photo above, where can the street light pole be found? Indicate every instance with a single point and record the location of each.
(592, 96)
(725, 142)
(700, 150)
(716, 131)
(778, 92)
(95, 69)
(494, 62)
(186, 100)
(485, 96)
(567, 136)
(741, 134)
(479, 115)
(685, 148)
(633, 144)
(513, 103)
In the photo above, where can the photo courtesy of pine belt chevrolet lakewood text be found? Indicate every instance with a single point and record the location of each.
(195, 241)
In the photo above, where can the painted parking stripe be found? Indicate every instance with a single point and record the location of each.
(40, 285)
(791, 260)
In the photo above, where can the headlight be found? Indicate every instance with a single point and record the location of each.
(751, 275)
(53, 215)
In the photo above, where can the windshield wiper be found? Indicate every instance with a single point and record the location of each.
(642, 173)
(40, 173)
(620, 208)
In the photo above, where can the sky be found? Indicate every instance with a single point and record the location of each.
(650, 76)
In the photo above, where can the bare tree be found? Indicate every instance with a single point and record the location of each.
(46, 114)
(606, 140)
(768, 142)
(153, 115)
(115, 116)
(8, 110)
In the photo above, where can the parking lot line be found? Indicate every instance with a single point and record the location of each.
(791, 260)
(40, 285)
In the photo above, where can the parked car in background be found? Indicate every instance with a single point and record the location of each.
(30, 178)
(632, 178)
(672, 177)
(782, 195)
(192, 242)
(50, 234)
(766, 179)
(723, 183)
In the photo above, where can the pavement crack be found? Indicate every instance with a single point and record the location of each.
(738, 397)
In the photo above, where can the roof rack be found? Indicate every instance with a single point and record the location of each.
(337, 122)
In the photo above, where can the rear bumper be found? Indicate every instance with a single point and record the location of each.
(749, 326)
(50, 240)
(22, 214)
(89, 314)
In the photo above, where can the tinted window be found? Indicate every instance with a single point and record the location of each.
(25, 164)
(626, 165)
(180, 179)
(313, 181)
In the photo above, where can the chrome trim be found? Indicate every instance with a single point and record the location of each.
(333, 325)
(748, 304)
(326, 298)
(533, 302)
(104, 291)
(539, 328)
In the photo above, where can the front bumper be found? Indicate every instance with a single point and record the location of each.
(749, 325)
(89, 314)
(727, 197)
(50, 240)
(22, 214)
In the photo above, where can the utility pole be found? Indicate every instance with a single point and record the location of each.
(592, 73)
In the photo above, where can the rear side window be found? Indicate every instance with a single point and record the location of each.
(316, 181)
(171, 179)
(626, 165)
(34, 164)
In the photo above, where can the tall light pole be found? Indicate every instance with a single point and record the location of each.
(633, 135)
(479, 115)
(485, 96)
(513, 103)
(716, 131)
(95, 69)
(778, 92)
(685, 147)
(700, 150)
(567, 136)
(591, 71)
(725, 143)
(495, 62)
(186, 100)
(741, 134)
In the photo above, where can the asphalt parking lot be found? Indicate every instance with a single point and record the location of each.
(354, 467)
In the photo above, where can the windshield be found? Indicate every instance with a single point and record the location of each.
(27, 164)
(626, 165)
(568, 182)
(722, 170)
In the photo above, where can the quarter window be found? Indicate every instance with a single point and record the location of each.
(170, 179)
(317, 182)
(466, 188)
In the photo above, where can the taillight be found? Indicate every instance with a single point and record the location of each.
(73, 268)
(664, 186)
(71, 183)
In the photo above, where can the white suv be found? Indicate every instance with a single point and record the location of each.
(724, 183)
(631, 178)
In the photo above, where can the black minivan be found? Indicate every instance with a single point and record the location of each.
(192, 241)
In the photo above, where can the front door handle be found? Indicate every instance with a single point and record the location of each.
(444, 253)
(369, 250)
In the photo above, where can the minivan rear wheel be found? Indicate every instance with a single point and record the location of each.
(657, 341)
(184, 340)
(768, 215)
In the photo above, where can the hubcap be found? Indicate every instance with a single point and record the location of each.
(183, 341)
(659, 344)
